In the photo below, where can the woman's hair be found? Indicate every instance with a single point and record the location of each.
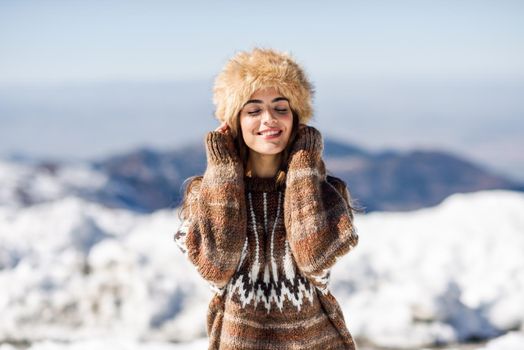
(192, 186)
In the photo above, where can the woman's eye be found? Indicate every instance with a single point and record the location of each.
(281, 110)
(254, 112)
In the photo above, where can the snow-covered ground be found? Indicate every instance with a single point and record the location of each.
(509, 341)
(77, 275)
(448, 273)
(125, 343)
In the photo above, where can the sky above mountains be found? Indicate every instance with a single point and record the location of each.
(83, 79)
(60, 41)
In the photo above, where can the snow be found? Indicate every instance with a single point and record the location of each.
(510, 341)
(78, 275)
(74, 269)
(444, 274)
(113, 344)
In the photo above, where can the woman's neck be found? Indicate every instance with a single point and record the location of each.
(263, 165)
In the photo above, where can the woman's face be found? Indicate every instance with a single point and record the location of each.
(266, 122)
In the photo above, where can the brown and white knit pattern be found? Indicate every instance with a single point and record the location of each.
(267, 250)
(270, 276)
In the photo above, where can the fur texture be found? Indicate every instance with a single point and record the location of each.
(248, 72)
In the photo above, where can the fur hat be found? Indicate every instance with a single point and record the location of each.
(248, 72)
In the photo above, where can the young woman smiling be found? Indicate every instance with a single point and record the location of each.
(265, 223)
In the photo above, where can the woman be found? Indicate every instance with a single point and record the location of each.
(265, 223)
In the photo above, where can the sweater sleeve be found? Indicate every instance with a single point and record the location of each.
(318, 217)
(214, 230)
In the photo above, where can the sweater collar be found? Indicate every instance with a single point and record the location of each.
(261, 184)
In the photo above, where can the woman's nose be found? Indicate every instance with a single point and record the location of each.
(268, 117)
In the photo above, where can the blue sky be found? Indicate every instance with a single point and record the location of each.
(404, 74)
(98, 40)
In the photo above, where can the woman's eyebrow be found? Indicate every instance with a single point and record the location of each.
(276, 99)
(253, 101)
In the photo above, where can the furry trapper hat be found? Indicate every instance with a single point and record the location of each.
(248, 72)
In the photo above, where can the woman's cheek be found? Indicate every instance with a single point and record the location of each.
(248, 125)
(244, 126)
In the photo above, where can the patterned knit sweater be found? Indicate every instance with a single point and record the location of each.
(267, 250)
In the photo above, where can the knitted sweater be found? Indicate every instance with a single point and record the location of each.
(267, 250)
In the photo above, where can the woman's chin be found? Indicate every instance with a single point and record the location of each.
(268, 151)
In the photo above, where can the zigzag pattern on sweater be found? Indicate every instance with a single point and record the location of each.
(267, 291)
(270, 288)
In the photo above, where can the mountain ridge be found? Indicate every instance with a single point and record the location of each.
(145, 179)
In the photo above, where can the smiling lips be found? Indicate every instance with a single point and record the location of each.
(270, 133)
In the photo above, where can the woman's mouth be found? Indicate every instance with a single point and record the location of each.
(270, 134)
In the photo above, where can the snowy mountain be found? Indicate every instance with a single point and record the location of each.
(75, 270)
(26, 183)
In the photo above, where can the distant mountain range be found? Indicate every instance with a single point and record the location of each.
(377, 181)
(399, 181)
(145, 180)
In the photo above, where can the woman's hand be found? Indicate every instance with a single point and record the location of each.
(223, 128)
(221, 144)
(309, 139)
